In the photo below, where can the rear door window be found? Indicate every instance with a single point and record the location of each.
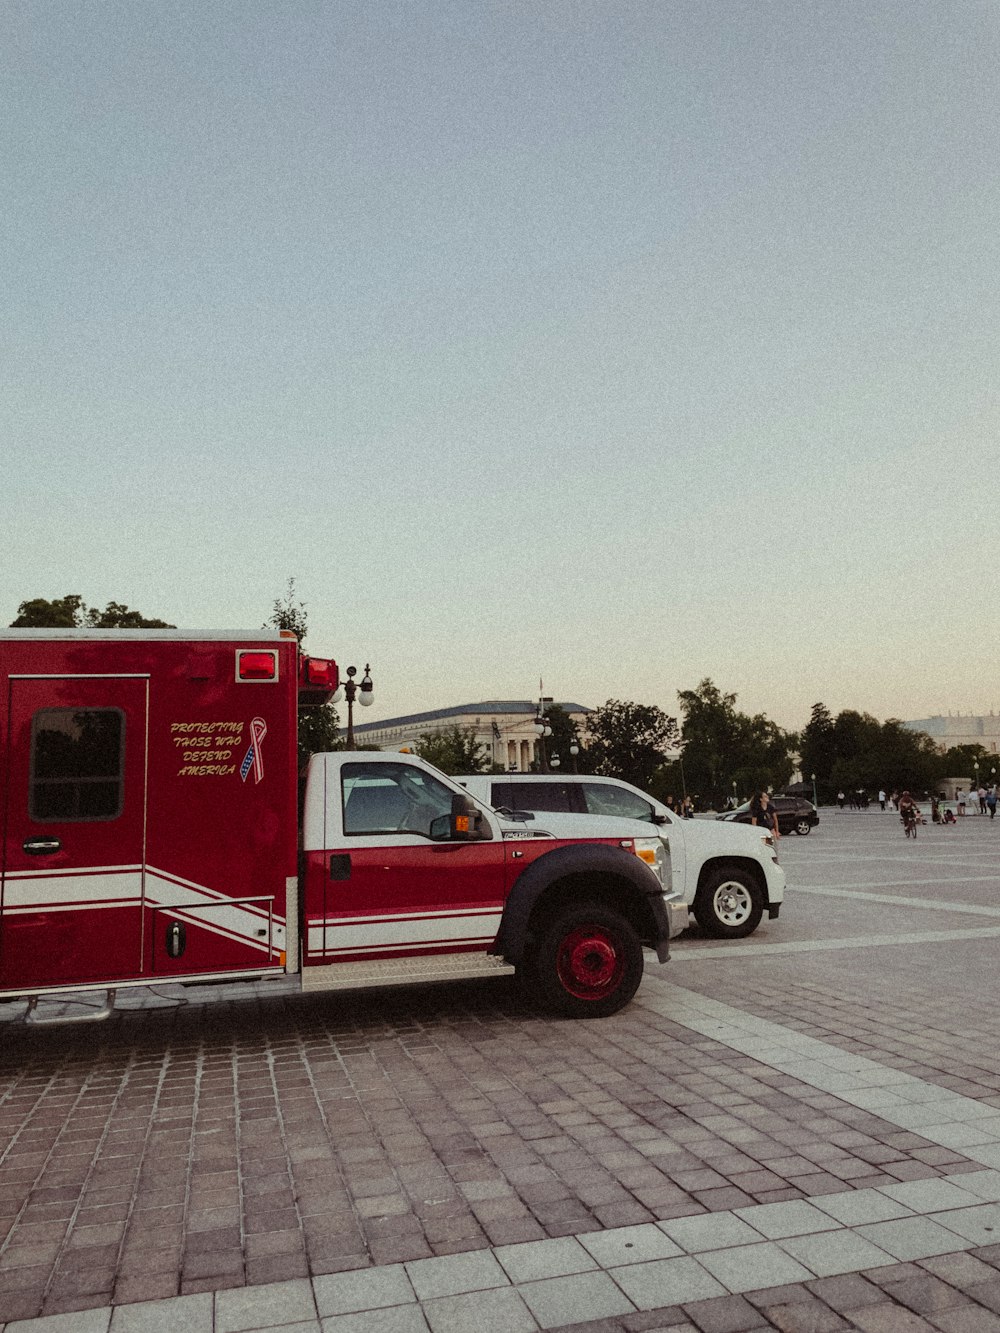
(560, 797)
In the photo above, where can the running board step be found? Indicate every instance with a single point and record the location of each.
(403, 971)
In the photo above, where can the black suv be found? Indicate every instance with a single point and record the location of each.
(795, 814)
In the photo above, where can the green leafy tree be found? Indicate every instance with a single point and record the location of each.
(723, 746)
(319, 725)
(629, 741)
(454, 750)
(872, 755)
(70, 612)
(818, 750)
(961, 761)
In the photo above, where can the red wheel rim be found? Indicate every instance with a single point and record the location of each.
(590, 963)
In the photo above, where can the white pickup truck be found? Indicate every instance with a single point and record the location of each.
(727, 874)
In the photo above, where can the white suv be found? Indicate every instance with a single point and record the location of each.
(728, 874)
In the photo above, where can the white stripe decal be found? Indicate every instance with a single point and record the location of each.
(95, 888)
(358, 935)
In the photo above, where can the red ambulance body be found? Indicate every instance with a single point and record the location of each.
(151, 832)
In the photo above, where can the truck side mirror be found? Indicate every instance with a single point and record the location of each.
(466, 820)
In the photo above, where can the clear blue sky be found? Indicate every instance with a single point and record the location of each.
(614, 343)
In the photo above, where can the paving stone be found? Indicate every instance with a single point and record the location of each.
(830, 1253)
(449, 1275)
(930, 1196)
(810, 1316)
(751, 1267)
(362, 1289)
(80, 1321)
(846, 1292)
(855, 1207)
(889, 1318)
(629, 1245)
(959, 1270)
(255, 1307)
(180, 1314)
(797, 1218)
(544, 1258)
(967, 1319)
(499, 1309)
(572, 1300)
(396, 1319)
(912, 1238)
(981, 1224)
(724, 1314)
(709, 1231)
(664, 1282)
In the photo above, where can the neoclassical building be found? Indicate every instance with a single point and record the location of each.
(960, 729)
(506, 727)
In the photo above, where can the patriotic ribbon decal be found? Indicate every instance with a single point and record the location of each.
(253, 758)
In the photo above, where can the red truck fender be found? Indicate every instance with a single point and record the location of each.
(584, 872)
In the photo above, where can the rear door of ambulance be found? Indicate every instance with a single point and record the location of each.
(74, 812)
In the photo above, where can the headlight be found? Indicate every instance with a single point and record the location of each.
(654, 852)
(767, 839)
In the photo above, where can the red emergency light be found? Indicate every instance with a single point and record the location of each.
(318, 679)
(256, 664)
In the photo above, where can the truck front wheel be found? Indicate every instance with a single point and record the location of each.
(729, 904)
(587, 962)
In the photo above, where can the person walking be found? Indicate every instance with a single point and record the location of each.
(991, 801)
(982, 800)
(840, 799)
(960, 798)
(881, 798)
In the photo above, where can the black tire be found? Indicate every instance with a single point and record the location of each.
(802, 827)
(729, 904)
(587, 962)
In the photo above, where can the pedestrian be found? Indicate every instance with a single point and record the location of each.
(840, 799)
(882, 799)
(991, 801)
(687, 808)
(982, 800)
(960, 798)
(763, 814)
(894, 798)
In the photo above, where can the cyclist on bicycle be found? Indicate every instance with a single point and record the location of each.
(909, 814)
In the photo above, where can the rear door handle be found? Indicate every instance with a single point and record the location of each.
(41, 846)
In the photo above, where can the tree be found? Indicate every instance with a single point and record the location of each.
(454, 750)
(872, 755)
(70, 612)
(629, 740)
(818, 750)
(724, 747)
(319, 725)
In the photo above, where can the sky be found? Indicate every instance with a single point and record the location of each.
(610, 344)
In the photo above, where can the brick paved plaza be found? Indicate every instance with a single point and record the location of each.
(800, 1131)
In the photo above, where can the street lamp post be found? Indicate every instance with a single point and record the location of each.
(555, 761)
(542, 729)
(362, 691)
(735, 802)
(815, 801)
(574, 750)
(975, 796)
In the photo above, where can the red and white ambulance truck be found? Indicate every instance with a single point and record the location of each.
(152, 830)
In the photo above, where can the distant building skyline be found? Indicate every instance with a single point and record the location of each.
(506, 727)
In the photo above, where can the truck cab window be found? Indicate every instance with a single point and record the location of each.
(604, 799)
(391, 798)
(77, 764)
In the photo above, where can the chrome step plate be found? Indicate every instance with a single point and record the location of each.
(404, 971)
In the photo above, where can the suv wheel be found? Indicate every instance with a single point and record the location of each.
(729, 904)
(802, 827)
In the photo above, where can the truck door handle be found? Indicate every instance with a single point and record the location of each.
(41, 846)
(340, 866)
